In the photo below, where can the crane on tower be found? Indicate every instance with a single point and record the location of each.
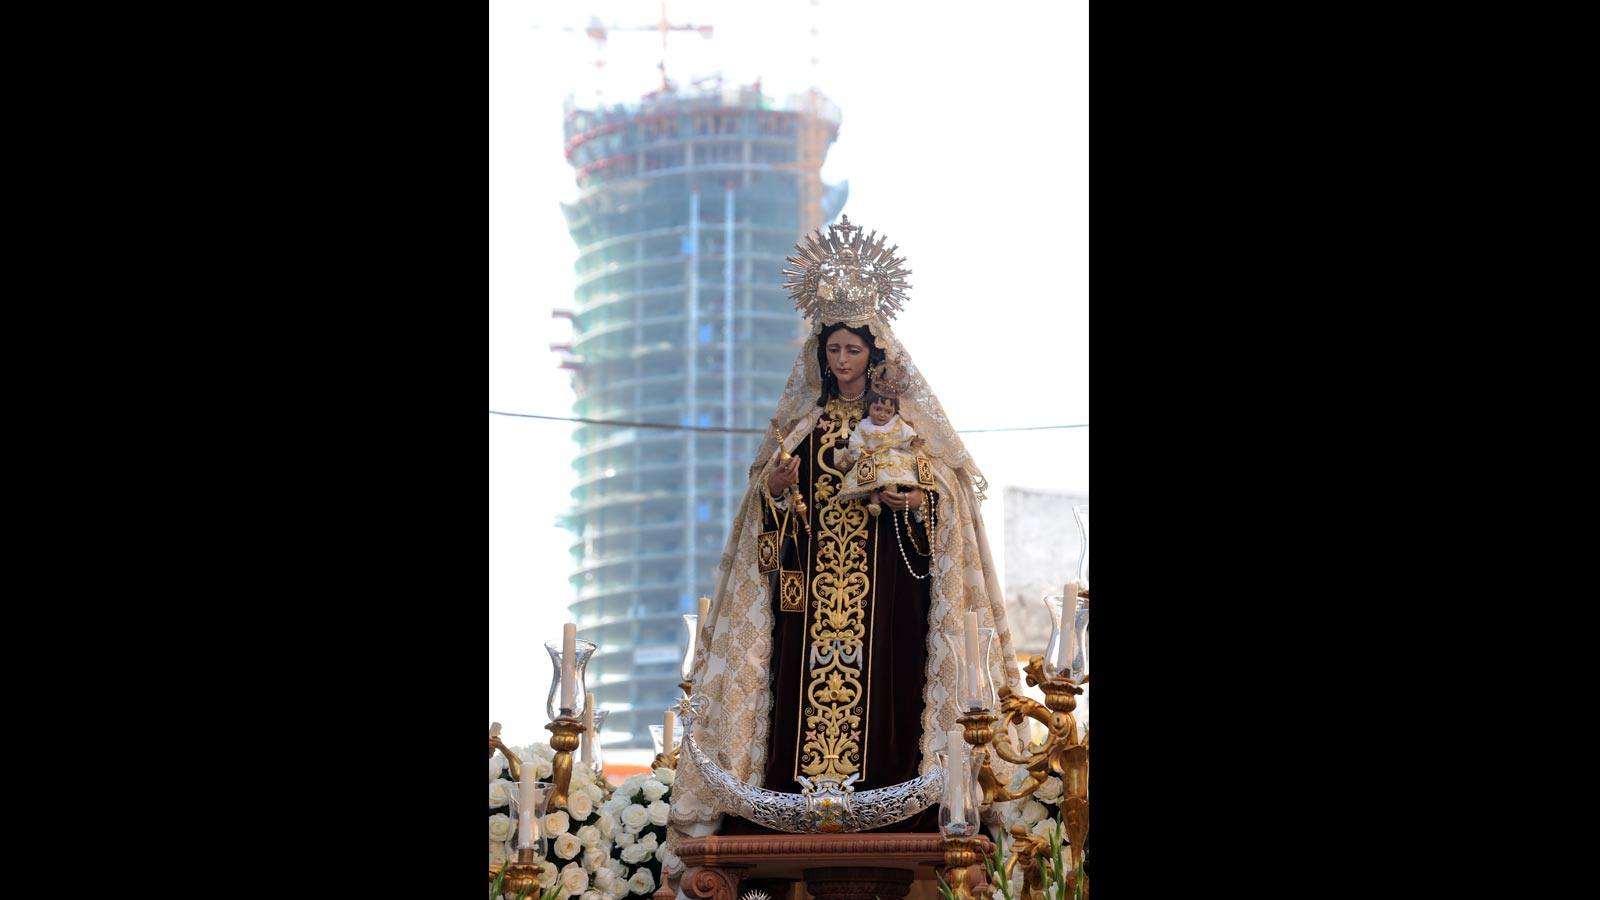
(599, 32)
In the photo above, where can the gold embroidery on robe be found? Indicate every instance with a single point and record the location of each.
(791, 591)
(767, 552)
(833, 725)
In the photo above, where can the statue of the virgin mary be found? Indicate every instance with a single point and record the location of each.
(821, 669)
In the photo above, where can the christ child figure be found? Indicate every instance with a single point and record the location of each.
(880, 453)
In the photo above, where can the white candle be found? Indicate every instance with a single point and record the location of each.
(971, 668)
(957, 747)
(588, 728)
(569, 672)
(525, 824)
(1069, 615)
(667, 721)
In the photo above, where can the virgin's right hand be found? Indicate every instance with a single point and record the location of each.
(782, 476)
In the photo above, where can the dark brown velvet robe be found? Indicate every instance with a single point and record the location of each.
(896, 640)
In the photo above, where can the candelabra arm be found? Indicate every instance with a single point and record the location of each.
(1061, 754)
(1027, 850)
(513, 765)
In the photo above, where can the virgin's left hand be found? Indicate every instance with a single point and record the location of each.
(898, 501)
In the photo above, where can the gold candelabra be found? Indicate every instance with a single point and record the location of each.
(1061, 754)
(963, 867)
(564, 731)
(1015, 709)
(522, 875)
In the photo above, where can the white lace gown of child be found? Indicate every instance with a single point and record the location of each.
(882, 456)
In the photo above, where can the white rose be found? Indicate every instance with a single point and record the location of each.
(654, 790)
(604, 880)
(1032, 812)
(547, 875)
(607, 824)
(497, 764)
(1050, 791)
(619, 868)
(669, 860)
(501, 827)
(649, 842)
(665, 776)
(541, 768)
(594, 859)
(541, 750)
(580, 806)
(582, 775)
(619, 888)
(498, 852)
(658, 812)
(588, 835)
(633, 854)
(626, 791)
(616, 804)
(1004, 813)
(567, 846)
(626, 838)
(1046, 828)
(597, 794)
(635, 816)
(498, 795)
(574, 879)
(556, 823)
(592, 895)
(641, 882)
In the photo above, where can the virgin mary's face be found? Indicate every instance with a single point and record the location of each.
(847, 356)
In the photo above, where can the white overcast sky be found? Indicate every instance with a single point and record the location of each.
(964, 138)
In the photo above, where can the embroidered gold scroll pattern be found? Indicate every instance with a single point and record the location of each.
(833, 721)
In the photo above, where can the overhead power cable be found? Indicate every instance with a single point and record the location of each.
(715, 429)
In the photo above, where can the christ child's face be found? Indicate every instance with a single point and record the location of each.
(882, 410)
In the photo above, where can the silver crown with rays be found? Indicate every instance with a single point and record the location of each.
(846, 276)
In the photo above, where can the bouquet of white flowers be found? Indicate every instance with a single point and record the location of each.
(604, 843)
(638, 809)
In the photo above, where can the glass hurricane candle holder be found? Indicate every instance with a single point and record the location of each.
(597, 758)
(541, 796)
(958, 805)
(692, 623)
(585, 651)
(1080, 514)
(980, 695)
